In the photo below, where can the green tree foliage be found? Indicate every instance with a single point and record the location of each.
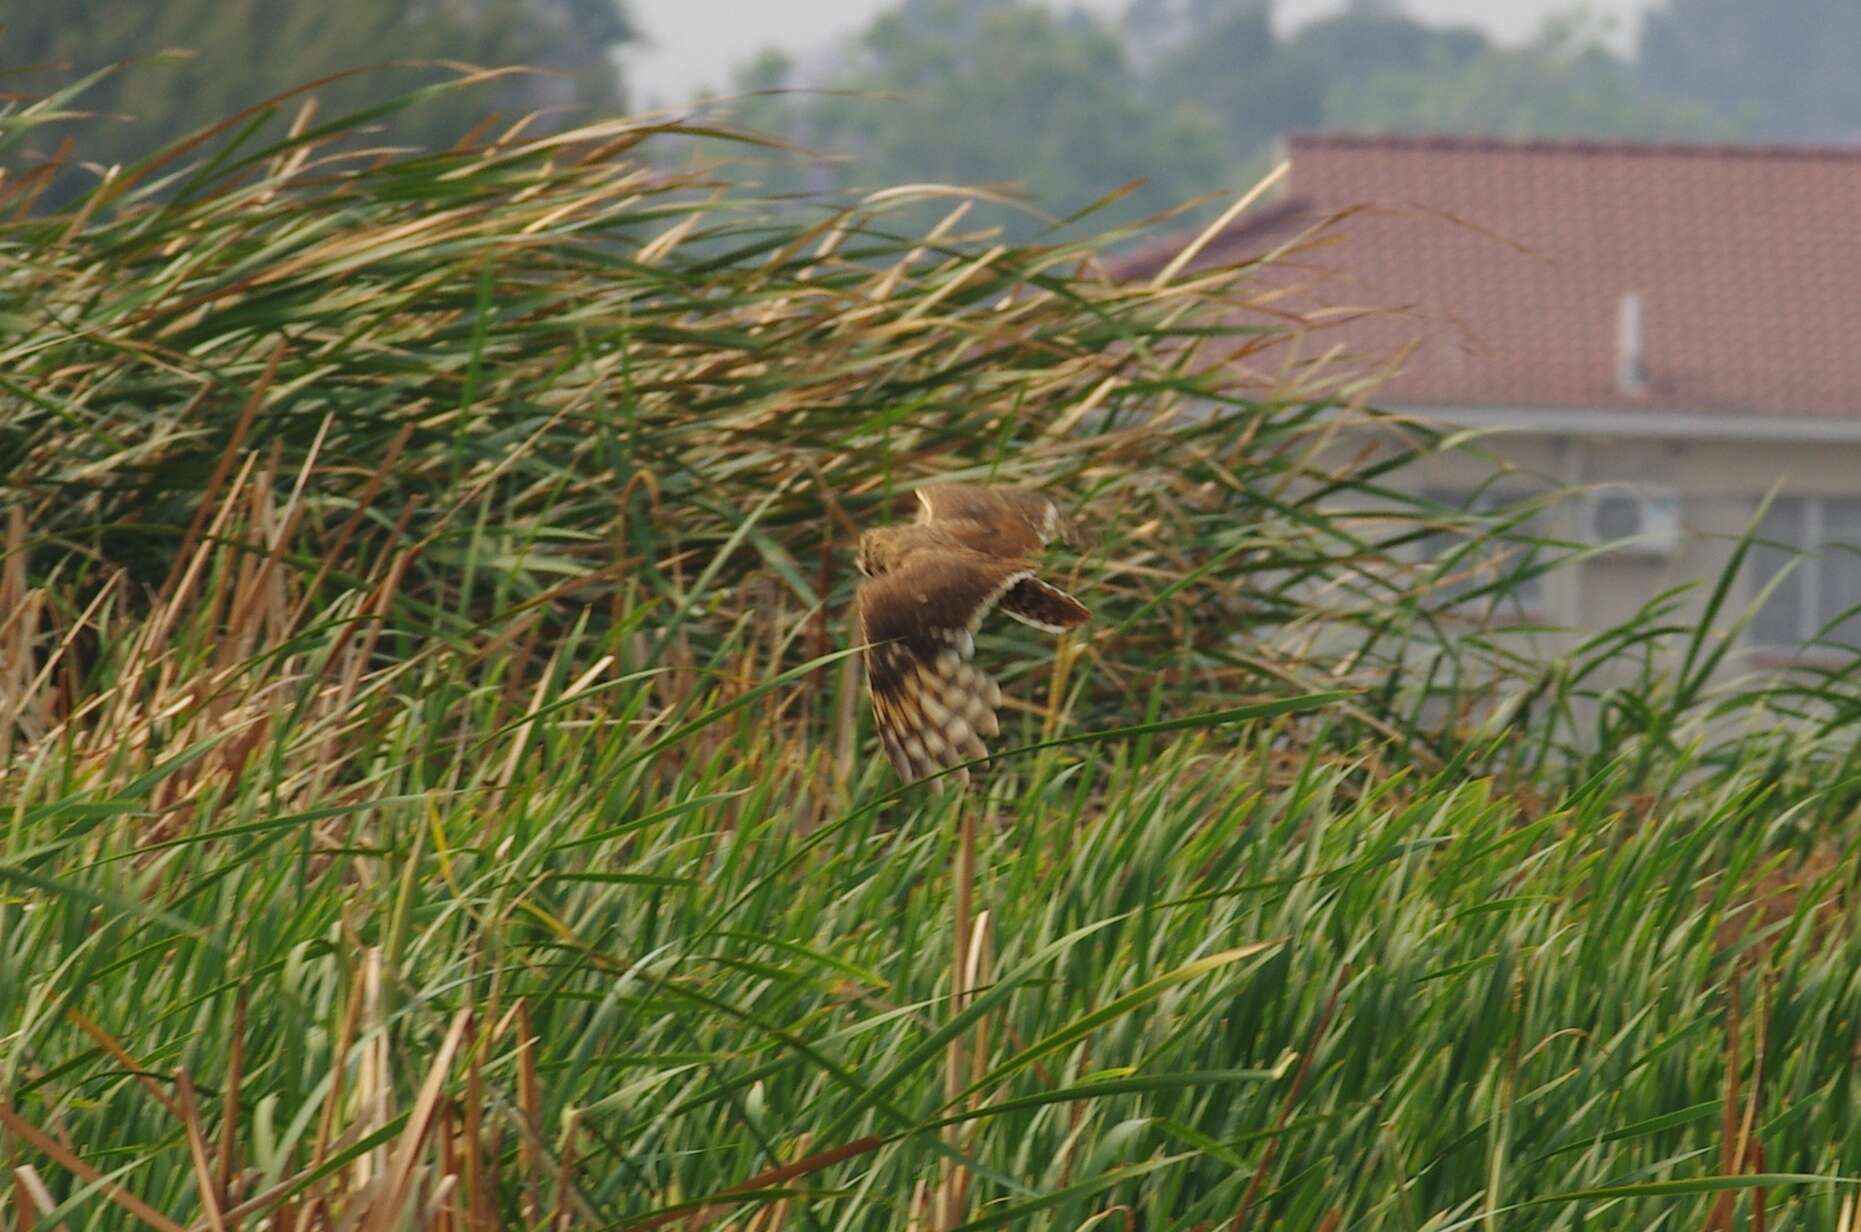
(1562, 84)
(1189, 94)
(1255, 86)
(1228, 66)
(998, 93)
(246, 51)
(1787, 70)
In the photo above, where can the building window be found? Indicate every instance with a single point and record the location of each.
(1819, 600)
(1507, 559)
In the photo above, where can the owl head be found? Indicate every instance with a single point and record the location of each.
(880, 550)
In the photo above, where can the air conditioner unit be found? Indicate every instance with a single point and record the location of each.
(1634, 521)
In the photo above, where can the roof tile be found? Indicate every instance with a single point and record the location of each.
(1506, 264)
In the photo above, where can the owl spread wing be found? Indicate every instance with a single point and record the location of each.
(932, 704)
(997, 521)
(1048, 608)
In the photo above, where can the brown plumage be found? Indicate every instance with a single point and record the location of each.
(927, 588)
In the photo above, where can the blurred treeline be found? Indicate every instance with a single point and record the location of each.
(1190, 94)
(232, 54)
(1052, 101)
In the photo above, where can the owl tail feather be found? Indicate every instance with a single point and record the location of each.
(1048, 608)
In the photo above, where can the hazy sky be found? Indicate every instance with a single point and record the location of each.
(695, 43)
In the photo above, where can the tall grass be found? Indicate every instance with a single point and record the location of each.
(436, 790)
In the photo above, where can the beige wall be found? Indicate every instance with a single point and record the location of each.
(1719, 484)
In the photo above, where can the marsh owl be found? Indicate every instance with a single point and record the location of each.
(925, 590)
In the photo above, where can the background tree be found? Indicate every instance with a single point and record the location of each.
(1564, 83)
(1227, 66)
(245, 51)
(1189, 94)
(995, 92)
(1787, 71)
(1254, 86)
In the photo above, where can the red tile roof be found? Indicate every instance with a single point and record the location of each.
(1509, 262)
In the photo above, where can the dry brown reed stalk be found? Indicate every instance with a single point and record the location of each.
(530, 1100)
(30, 1197)
(69, 1160)
(375, 1194)
(948, 1201)
(211, 1199)
(189, 669)
(981, 971)
(19, 622)
(121, 1055)
(805, 1166)
(399, 1179)
(963, 1059)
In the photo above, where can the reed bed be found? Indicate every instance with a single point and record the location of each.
(437, 792)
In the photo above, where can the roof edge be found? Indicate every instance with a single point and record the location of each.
(1779, 427)
(1293, 142)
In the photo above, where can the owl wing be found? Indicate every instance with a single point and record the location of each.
(1048, 608)
(932, 704)
(998, 521)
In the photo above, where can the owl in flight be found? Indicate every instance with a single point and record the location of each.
(924, 591)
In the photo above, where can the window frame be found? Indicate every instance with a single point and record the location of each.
(1810, 558)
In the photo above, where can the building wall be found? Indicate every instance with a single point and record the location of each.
(1719, 485)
